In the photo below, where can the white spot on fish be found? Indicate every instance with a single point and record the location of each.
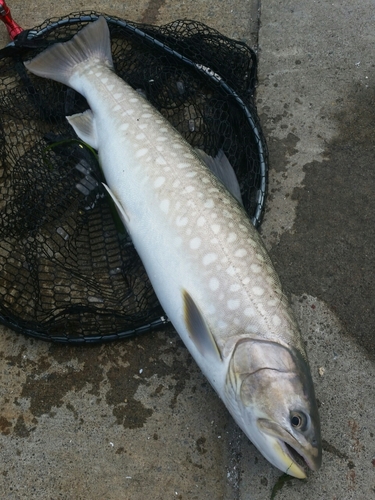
(211, 309)
(124, 126)
(110, 87)
(246, 281)
(128, 112)
(209, 258)
(255, 268)
(189, 189)
(183, 165)
(251, 242)
(99, 74)
(163, 129)
(233, 304)
(241, 252)
(146, 115)
(142, 126)
(188, 155)
(201, 221)
(164, 206)
(270, 279)
(235, 287)
(191, 174)
(177, 145)
(134, 99)
(276, 320)
(249, 312)
(209, 203)
(260, 257)
(195, 243)
(160, 161)
(159, 148)
(231, 270)
(116, 108)
(214, 284)
(215, 228)
(159, 182)
(161, 138)
(222, 325)
(231, 237)
(253, 329)
(272, 303)
(257, 290)
(181, 221)
(176, 183)
(140, 136)
(141, 152)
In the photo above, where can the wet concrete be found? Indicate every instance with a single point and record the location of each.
(136, 419)
(336, 222)
(315, 99)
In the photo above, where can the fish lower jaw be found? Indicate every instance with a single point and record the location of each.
(298, 464)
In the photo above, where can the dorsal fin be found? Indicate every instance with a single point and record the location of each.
(84, 126)
(223, 170)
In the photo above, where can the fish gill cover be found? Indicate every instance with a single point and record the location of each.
(68, 271)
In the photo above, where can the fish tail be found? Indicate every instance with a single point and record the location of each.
(59, 62)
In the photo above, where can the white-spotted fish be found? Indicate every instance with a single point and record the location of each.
(207, 263)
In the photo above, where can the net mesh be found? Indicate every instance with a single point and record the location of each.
(68, 271)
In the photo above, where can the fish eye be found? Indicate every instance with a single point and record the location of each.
(298, 420)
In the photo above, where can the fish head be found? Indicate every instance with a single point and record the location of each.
(275, 404)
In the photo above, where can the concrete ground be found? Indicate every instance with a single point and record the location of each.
(136, 420)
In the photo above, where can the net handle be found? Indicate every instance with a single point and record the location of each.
(14, 29)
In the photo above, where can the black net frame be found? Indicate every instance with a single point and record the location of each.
(68, 271)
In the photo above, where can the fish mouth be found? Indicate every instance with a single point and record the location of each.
(293, 458)
(293, 462)
(299, 464)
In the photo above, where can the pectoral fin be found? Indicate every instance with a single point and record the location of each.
(199, 331)
(223, 170)
(84, 126)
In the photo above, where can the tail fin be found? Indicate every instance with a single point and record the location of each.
(58, 62)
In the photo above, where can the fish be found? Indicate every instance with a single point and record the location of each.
(207, 263)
